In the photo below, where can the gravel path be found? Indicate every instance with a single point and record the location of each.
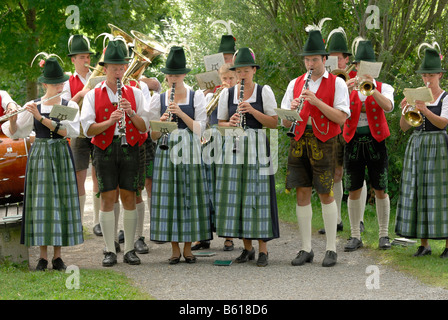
(278, 281)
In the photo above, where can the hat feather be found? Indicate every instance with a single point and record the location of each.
(337, 30)
(355, 43)
(318, 27)
(425, 44)
(46, 56)
(227, 24)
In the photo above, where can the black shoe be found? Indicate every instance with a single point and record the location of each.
(353, 244)
(262, 259)
(117, 248)
(58, 264)
(444, 254)
(303, 257)
(339, 227)
(203, 244)
(140, 246)
(190, 259)
(97, 230)
(330, 259)
(131, 258)
(110, 259)
(384, 243)
(246, 256)
(229, 248)
(121, 236)
(42, 265)
(423, 251)
(174, 260)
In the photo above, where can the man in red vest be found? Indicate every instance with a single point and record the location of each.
(365, 133)
(311, 160)
(82, 148)
(116, 165)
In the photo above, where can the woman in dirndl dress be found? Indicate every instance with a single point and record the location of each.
(51, 211)
(245, 201)
(422, 210)
(180, 210)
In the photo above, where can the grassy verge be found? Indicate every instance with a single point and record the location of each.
(429, 269)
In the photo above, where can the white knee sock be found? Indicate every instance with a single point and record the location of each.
(304, 217)
(129, 226)
(140, 219)
(338, 191)
(96, 208)
(354, 213)
(82, 203)
(107, 221)
(383, 213)
(330, 216)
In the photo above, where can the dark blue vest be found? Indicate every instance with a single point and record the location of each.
(41, 130)
(187, 108)
(251, 122)
(427, 125)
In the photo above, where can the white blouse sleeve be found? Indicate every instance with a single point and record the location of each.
(25, 123)
(72, 127)
(223, 108)
(269, 102)
(200, 114)
(87, 117)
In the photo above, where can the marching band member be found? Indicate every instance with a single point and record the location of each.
(242, 212)
(6, 103)
(180, 210)
(311, 160)
(116, 164)
(367, 130)
(82, 147)
(51, 213)
(421, 209)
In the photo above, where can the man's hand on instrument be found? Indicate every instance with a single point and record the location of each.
(126, 106)
(116, 116)
(351, 84)
(295, 103)
(309, 96)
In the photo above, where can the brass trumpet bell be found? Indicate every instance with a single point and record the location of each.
(366, 88)
(411, 116)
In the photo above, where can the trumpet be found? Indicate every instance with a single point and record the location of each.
(122, 121)
(412, 116)
(364, 86)
(344, 73)
(291, 133)
(242, 121)
(21, 109)
(164, 139)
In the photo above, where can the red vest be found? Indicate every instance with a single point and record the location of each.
(143, 136)
(76, 85)
(352, 74)
(375, 116)
(103, 110)
(325, 93)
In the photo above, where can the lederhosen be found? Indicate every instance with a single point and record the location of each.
(51, 212)
(366, 146)
(245, 201)
(180, 210)
(422, 208)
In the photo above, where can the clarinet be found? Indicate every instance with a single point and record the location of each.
(164, 139)
(291, 132)
(122, 121)
(242, 121)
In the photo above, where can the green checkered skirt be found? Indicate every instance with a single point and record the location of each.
(422, 210)
(245, 200)
(180, 207)
(52, 214)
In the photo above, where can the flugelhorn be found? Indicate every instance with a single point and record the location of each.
(364, 86)
(291, 133)
(164, 139)
(21, 109)
(412, 116)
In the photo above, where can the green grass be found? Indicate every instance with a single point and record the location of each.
(429, 269)
(18, 283)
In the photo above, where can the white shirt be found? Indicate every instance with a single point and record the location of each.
(386, 90)
(25, 122)
(444, 112)
(6, 99)
(68, 95)
(88, 107)
(341, 96)
(200, 115)
(267, 95)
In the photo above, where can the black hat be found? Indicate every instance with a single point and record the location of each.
(176, 62)
(115, 53)
(52, 72)
(314, 45)
(227, 44)
(78, 44)
(244, 58)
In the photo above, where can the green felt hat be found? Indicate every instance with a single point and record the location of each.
(52, 72)
(365, 51)
(431, 62)
(337, 42)
(115, 53)
(227, 44)
(176, 62)
(78, 44)
(244, 58)
(314, 45)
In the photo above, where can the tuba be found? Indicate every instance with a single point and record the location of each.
(145, 49)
